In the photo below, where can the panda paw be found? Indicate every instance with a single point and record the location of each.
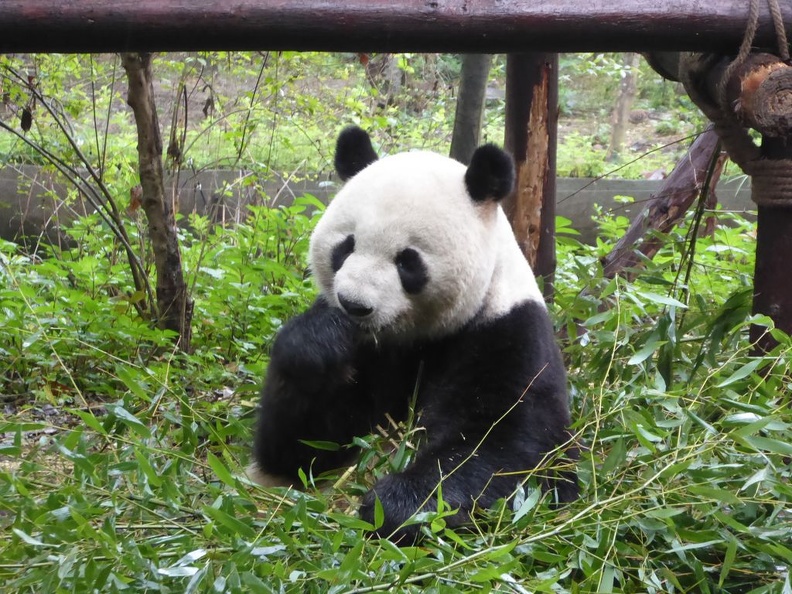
(316, 347)
(399, 502)
(402, 496)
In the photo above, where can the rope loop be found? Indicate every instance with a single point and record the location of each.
(771, 182)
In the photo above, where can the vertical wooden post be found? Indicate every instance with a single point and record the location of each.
(772, 280)
(531, 136)
(755, 92)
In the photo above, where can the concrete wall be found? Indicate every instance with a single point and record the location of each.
(577, 197)
(32, 204)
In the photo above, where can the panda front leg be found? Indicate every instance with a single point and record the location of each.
(466, 476)
(310, 394)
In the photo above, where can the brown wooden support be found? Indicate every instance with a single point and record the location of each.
(773, 273)
(756, 94)
(531, 136)
(772, 191)
(483, 26)
(761, 93)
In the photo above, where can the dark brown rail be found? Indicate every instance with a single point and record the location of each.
(492, 26)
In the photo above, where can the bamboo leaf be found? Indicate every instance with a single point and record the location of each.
(661, 299)
(742, 372)
(220, 469)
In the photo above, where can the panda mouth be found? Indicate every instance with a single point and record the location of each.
(389, 331)
(368, 325)
(373, 323)
(374, 328)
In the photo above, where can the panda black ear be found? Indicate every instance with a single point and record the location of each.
(353, 152)
(490, 174)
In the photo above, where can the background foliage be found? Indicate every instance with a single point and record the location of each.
(121, 461)
(280, 111)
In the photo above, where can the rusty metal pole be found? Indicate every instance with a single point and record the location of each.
(531, 137)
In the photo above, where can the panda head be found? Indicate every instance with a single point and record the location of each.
(415, 245)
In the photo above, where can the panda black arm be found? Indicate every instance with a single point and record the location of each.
(314, 349)
(323, 384)
(305, 396)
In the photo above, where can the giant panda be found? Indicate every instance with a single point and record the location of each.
(422, 287)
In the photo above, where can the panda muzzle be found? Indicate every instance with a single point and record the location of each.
(353, 308)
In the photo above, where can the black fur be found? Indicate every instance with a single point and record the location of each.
(327, 383)
(353, 152)
(324, 384)
(341, 252)
(412, 271)
(490, 174)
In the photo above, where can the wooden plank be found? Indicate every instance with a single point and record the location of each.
(483, 26)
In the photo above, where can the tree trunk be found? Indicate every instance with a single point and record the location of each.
(624, 103)
(173, 305)
(668, 206)
(384, 76)
(531, 128)
(470, 106)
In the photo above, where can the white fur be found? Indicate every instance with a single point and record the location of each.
(418, 200)
(264, 479)
(513, 281)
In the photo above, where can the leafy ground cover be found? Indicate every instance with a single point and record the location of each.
(122, 461)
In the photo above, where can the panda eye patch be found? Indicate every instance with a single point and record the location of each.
(341, 252)
(412, 271)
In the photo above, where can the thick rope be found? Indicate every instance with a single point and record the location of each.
(771, 182)
(742, 55)
(778, 23)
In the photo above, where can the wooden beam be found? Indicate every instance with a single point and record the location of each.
(482, 26)
(760, 92)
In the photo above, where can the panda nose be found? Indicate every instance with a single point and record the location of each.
(353, 308)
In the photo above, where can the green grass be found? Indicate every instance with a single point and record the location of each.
(122, 461)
